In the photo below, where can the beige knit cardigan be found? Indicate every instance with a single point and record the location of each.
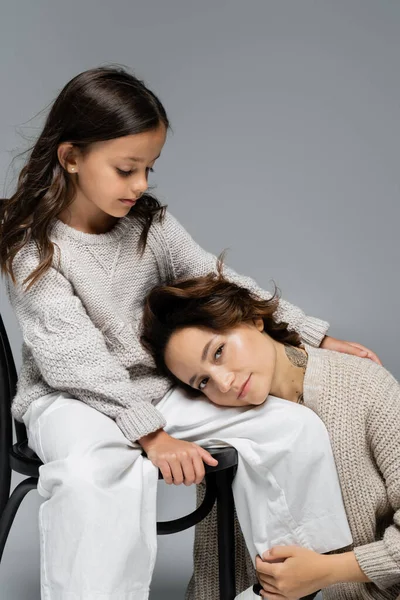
(359, 402)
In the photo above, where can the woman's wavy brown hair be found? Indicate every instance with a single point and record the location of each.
(97, 105)
(211, 302)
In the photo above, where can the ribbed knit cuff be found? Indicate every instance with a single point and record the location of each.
(140, 420)
(313, 331)
(377, 564)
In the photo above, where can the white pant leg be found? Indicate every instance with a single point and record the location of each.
(98, 523)
(286, 488)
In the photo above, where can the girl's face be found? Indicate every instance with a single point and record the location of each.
(232, 368)
(114, 170)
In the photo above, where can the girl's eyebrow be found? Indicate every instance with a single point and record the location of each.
(203, 357)
(141, 160)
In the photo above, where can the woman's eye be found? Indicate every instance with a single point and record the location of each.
(218, 353)
(150, 170)
(203, 383)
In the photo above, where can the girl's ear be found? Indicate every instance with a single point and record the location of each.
(259, 323)
(67, 156)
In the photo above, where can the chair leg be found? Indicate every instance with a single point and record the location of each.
(11, 508)
(5, 482)
(226, 534)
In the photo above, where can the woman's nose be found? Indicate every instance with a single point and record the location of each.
(224, 381)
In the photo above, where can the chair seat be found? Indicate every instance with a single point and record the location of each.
(24, 460)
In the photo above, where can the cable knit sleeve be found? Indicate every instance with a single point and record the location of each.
(380, 560)
(190, 260)
(71, 352)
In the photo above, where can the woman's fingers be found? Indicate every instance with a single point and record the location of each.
(272, 596)
(267, 580)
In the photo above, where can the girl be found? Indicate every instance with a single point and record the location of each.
(81, 244)
(214, 336)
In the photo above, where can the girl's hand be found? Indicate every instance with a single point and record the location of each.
(331, 343)
(179, 461)
(291, 572)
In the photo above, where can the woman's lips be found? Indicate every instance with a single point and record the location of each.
(245, 388)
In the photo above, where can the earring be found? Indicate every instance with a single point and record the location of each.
(72, 168)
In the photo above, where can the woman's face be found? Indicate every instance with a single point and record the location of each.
(232, 368)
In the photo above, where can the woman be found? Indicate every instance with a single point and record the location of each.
(213, 336)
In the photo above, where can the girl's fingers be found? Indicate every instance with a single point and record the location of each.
(166, 472)
(367, 353)
(206, 456)
(199, 470)
(176, 470)
(188, 470)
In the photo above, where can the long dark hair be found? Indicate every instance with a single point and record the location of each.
(97, 105)
(209, 301)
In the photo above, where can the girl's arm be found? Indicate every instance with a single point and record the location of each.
(185, 258)
(188, 259)
(72, 355)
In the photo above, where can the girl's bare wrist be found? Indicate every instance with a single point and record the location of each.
(147, 440)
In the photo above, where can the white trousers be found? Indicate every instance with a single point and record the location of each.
(98, 522)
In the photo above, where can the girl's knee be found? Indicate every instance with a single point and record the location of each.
(104, 467)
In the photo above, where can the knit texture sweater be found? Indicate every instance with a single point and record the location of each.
(81, 321)
(359, 402)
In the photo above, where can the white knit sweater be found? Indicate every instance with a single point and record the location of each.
(81, 323)
(359, 402)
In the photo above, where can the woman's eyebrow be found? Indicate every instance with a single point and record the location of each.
(203, 357)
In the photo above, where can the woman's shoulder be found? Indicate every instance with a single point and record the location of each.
(345, 372)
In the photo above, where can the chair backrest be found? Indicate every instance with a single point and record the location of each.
(8, 388)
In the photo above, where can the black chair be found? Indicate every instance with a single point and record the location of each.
(20, 458)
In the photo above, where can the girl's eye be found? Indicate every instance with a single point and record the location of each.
(124, 173)
(128, 173)
(203, 383)
(218, 353)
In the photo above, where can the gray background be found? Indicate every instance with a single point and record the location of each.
(285, 150)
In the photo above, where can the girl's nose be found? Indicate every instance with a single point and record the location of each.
(140, 186)
(224, 381)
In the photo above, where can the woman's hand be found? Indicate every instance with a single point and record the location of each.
(179, 461)
(291, 572)
(331, 343)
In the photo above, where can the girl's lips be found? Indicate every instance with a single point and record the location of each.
(126, 201)
(246, 386)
